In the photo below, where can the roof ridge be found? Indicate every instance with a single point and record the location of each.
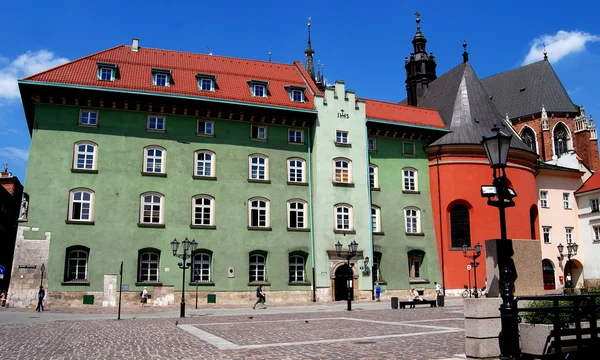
(513, 69)
(398, 104)
(72, 61)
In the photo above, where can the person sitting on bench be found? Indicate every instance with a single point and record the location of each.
(414, 295)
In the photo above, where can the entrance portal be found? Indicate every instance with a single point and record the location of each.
(342, 275)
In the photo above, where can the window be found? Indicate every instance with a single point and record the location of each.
(544, 199)
(201, 267)
(569, 235)
(205, 127)
(460, 226)
(561, 139)
(154, 160)
(156, 123)
(546, 233)
(297, 214)
(85, 156)
(77, 264)
(342, 171)
(415, 261)
(377, 267)
(205, 164)
(259, 90)
(151, 209)
(258, 213)
(81, 205)
(258, 132)
(341, 137)
(596, 235)
(372, 145)
(566, 201)
(374, 176)
(528, 137)
(297, 95)
(296, 268)
(149, 265)
(259, 167)
(206, 82)
(161, 77)
(106, 74)
(88, 117)
(343, 217)
(258, 268)
(296, 171)
(203, 210)
(594, 205)
(295, 136)
(376, 219)
(411, 218)
(409, 180)
(408, 148)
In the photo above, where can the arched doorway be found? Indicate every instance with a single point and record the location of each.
(548, 275)
(342, 274)
(576, 269)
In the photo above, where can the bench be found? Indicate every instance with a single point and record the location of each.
(411, 304)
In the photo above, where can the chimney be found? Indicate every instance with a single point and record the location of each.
(135, 45)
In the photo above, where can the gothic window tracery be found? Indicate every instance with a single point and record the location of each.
(561, 140)
(528, 137)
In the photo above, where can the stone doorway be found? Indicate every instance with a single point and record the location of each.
(342, 274)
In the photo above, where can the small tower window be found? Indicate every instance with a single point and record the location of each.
(206, 82)
(258, 88)
(161, 77)
(107, 72)
(296, 93)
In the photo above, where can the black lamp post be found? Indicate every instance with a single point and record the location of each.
(499, 195)
(349, 255)
(42, 269)
(474, 264)
(188, 248)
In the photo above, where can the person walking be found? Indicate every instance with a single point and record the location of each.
(377, 291)
(144, 295)
(2, 298)
(569, 281)
(41, 295)
(438, 288)
(260, 298)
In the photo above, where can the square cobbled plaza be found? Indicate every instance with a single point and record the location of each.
(315, 331)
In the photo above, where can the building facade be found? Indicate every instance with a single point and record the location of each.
(588, 197)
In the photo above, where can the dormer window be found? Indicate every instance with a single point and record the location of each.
(161, 77)
(206, 82)
(258, 88)
(296, 93)
(107, 72)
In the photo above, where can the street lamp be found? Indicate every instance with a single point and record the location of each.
(42, 269)
(497, 146)
(474, 264)
(188, 248)
(349, 255)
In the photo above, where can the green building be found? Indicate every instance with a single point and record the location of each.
(263, 166)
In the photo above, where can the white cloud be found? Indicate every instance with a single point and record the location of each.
(32, 62)
(558, 46)
(12, 154)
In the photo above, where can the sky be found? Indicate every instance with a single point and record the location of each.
(363, 43)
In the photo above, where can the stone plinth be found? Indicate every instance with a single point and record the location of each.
(482, 327)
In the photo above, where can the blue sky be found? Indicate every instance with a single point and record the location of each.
(363, 43)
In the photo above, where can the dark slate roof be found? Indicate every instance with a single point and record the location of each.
(546, 166)
(465, 108)
(523, 91)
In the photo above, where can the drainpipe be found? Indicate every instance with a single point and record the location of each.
(310, 217)
(439, 194)
(369, 211)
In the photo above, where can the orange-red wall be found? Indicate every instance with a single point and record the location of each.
(461, 178)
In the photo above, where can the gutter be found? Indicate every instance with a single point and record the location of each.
(310, 217)
(370, 222)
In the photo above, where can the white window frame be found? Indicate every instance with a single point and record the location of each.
(293, 137)
(376, 218)
(76, 255)
(293, 170)
(200, 209)
(85, 117)
(547, 230)
(82, 205)
(156, 127)
(372, 144)
(296, 268)
(258, 166)
(147, 274)
(342, 137)
(255, 88)
(111, 72)
(594, 205)
(544, 203)
(374, 176)
(202, 261)
(566, 201)
(412, 220)
(211, 163)
(88, 158)
(343, 217)
(258, 132)
(254, 205)
(299, 214)
(569, 235)
(296, 91)
(208, 127)
(201, 87)
(257, 261)
(152, 204)
(340, 170)
(155, 76)
(595, 234)
(410, 179)
(153, 159)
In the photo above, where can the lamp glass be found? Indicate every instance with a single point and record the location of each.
(366, 261)
(186, 244)
(194, 245)
(174, 246)
(496, 146)
(338, 247)
(560, 248)
(478, 248)
(464, 248)
(353, 246)
(488, 190)
(575, 247)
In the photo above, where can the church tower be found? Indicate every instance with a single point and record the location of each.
(309, 52)
(420, 67)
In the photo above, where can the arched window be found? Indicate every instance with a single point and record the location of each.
(342, 171)
(258, 167)
(410, 181)
(561, 139)
(533, 216)
(548, 274)
(201, 266)
(297, 214)
(415, 264)
(528, 137)
(377, 267)
(203, 210)
(296, 170)
(81, 205)
(84, 156)
(258, 213)
(148, 265)
(77, 264)
(460, 226)
(258, 267)
(204, 164)
(412, 220)
(374, 176)
(152, 208)
(296, 267)
(376, 218)
(154, 160)
(343, 217)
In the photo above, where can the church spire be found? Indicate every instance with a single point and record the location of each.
(465, 53)
(420, 67)
(309, 52)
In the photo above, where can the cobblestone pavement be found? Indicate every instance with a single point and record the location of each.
(420, 334)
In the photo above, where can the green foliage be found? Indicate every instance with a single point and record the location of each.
(566, 317)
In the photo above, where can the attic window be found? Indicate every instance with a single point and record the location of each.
(296, 93)
(522, 89)
(107, 72)
(161, 77)
(206, 82)
(258, 88)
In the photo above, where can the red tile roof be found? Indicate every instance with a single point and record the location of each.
(593, 183)
(231, 84)
(400, 113)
